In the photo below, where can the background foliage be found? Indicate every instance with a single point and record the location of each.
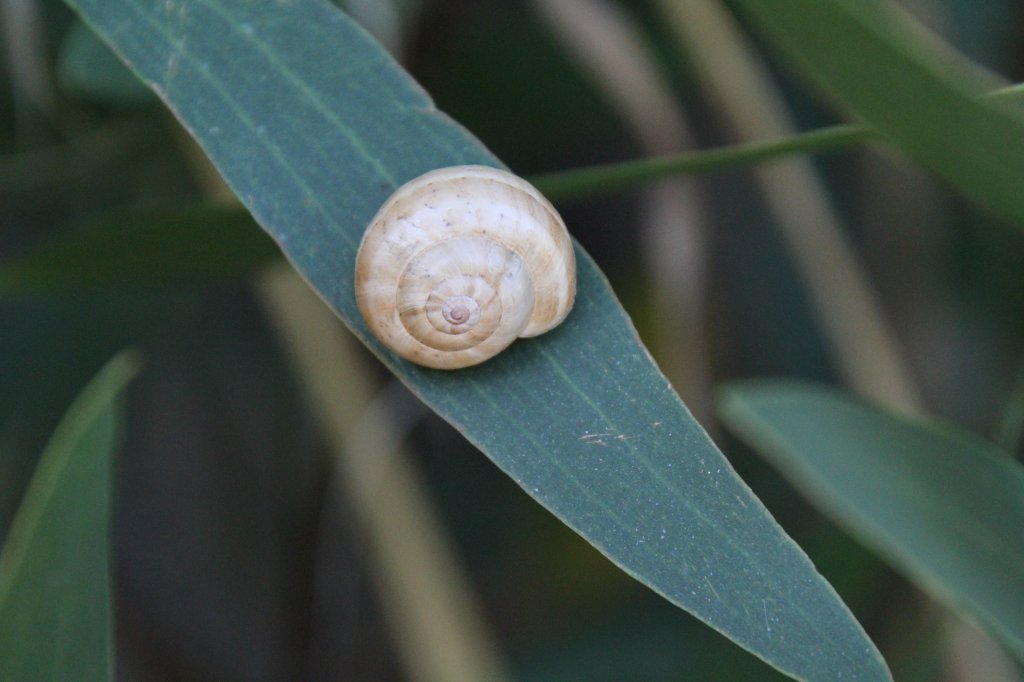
(236, 558)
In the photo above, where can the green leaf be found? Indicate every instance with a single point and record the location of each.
(143, 247)
(55, 570)
(917, 93)
(942, 505)
(313, 126)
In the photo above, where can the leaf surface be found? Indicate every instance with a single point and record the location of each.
(942, 505)
(915, 91)
(55, 570)
(313, 126)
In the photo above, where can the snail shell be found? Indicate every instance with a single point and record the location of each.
(461, 261)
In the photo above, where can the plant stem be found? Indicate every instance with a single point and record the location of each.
(581, 182)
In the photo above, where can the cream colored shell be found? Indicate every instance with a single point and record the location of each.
(461, 261)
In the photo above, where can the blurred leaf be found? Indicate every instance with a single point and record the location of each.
(87, 66)
(143, 247)
(55, 570)
(942, 505)
(916, 92)
(313, 126)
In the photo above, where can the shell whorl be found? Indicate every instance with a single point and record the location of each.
(461, 261)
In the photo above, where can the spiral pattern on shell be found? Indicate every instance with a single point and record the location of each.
(460, 262)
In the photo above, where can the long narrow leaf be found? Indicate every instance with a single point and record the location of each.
(943, 505)
(143, 248)
(313, 125)
(55, 570)
(916, 92)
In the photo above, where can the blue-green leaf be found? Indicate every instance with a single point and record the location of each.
(313, 126)
(942, 505)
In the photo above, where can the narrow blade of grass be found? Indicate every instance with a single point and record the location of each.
(55, 570)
